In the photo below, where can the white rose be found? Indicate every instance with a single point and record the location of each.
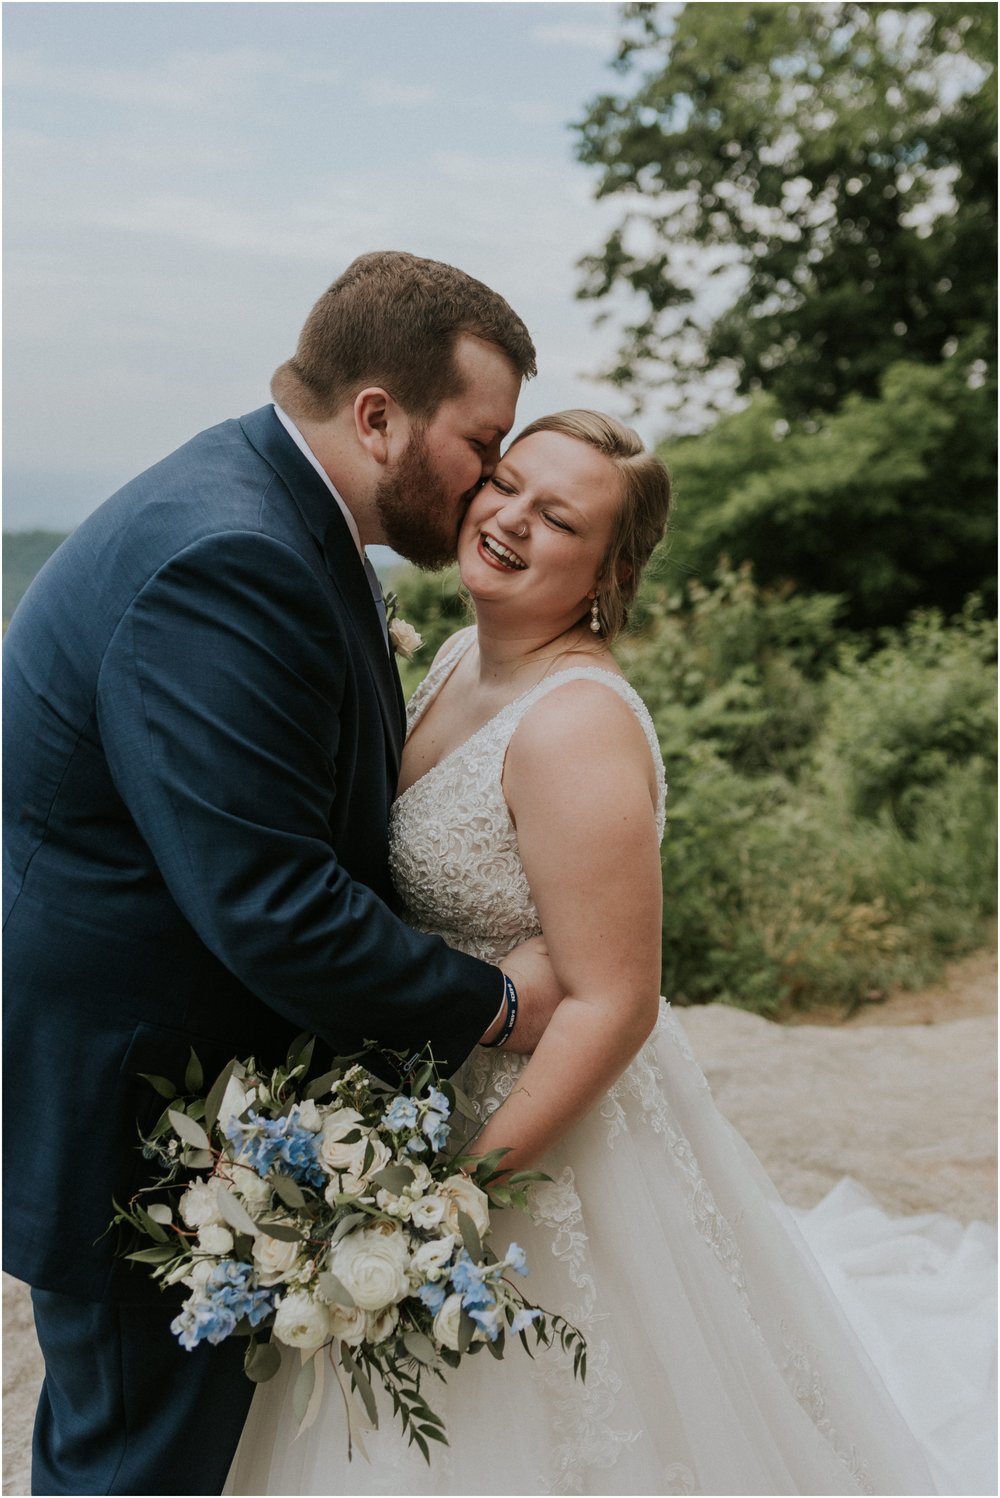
(431, 1258)
(301, 1321)
(427, 1212)
(462, 1195)
(422, 1179)
(334, 1154)
(254, 1190)
(198, 1273)
(381, 1324)
(276, 1258)
(372, 1265)
(405, 638)
(214, 1239)
(446, 1322)
(199, 1205)
(309, 1116)
(350, 1325)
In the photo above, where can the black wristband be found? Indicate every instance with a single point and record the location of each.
(510, 997)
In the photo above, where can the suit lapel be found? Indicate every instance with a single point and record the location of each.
(329, 529)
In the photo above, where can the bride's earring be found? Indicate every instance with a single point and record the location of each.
(595, 617)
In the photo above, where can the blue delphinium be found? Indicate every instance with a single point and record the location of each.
(468, 1277)
(433, 1297)
(400, 1115)
(489, 1319)
(229, 1295)
(263, 1143)
(517, 1259)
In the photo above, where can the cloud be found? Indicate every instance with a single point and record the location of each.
(574, 34)
(383, 91)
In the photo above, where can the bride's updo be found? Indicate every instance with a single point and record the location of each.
(642, 515)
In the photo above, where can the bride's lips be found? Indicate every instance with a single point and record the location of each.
(499, 555)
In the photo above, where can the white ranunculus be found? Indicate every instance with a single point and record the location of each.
(431, 1258)
(276, 1258)
(350, 1324)
(381, 1324)
(302, 1321)
(427, 1212)
(214, 1239)
(446, 1322)
(254, 1190)
(309, 1116)
(199, 1205)
(372, 1265)
(333, 1152)
(462, 1195)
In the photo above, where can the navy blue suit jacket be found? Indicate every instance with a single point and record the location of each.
(202, 739)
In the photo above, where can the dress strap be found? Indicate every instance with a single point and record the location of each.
(447, 660)
(628, 695)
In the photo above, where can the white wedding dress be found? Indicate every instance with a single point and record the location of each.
(720, 1360)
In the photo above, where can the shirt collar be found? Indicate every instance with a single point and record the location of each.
(307, 452)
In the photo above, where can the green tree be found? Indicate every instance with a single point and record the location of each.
(831, 168)
(889, 502)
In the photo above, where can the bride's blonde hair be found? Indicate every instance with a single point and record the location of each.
(642, 515)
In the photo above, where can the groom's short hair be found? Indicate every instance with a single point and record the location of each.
(392, 319)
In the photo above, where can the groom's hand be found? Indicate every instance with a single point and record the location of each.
(538, 993)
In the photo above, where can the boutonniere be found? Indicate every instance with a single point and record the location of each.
(403, 638)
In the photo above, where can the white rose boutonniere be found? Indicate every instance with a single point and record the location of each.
(404, 638)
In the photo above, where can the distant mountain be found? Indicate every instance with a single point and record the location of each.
(24, 552)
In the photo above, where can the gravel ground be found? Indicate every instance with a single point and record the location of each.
(902, 1096)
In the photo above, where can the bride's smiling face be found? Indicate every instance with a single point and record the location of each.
(538, 531)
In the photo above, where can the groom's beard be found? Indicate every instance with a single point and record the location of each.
(417, 513)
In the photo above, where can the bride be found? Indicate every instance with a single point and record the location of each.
(532, 800)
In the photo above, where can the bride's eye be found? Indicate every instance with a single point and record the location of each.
(559, 524)
(500, 486)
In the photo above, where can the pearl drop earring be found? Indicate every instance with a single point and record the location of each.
(595, 618)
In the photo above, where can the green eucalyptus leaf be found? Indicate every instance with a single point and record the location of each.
(334, 1290)
(420, 1347)
(162, 1254)
(216, 1093)
(346, 1224)
(322, 1085)
(302, 1390)
(194, 1076)
(362, 1382)
(197, 1159)
(282, 1231)
(150, 1226)
(466, 1331)
(186, 1129)
(394, 1178)
(263, 1362)
(470, 1236)
(162, 1085)
(287, 1190)
(235, 1212)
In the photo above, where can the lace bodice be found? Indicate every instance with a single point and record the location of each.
(452, 845)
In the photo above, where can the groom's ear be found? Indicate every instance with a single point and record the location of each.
(376, 421)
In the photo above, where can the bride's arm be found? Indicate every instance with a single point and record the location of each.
(580, 785)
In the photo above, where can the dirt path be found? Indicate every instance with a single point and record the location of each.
(902, 1096)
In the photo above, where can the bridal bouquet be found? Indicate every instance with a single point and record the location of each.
(330, 1213)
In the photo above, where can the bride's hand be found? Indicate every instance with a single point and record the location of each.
(538, 992)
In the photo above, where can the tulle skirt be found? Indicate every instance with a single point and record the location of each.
(735, 1347)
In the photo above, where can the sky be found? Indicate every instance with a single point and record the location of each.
(182, 181)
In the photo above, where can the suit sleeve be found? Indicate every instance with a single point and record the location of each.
(218, 705)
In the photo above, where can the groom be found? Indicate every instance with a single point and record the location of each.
(204, 724)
